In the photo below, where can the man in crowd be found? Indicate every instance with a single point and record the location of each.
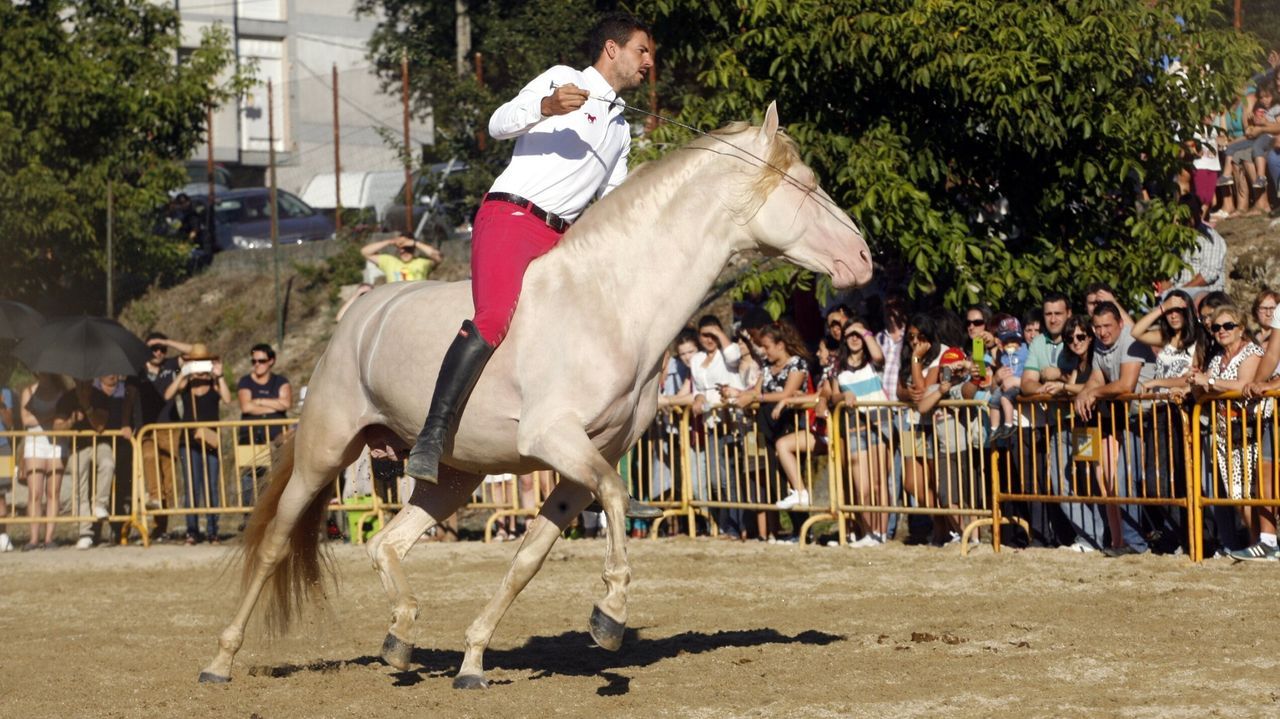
(1099, 292)
(403, 266)
(102, 407)
(572, 142)
(1041, 376)
(1205, 269)
(158, 458)
(1120, 363)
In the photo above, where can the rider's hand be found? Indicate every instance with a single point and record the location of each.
(564, 100)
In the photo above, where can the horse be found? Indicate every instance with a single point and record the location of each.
(621, 282)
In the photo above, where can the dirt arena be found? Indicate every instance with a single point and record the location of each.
(720, 629)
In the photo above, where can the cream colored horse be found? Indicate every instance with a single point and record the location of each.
(571, 389)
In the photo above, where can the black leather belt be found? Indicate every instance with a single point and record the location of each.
(554, 221)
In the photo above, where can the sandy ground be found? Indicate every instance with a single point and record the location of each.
(720, 629)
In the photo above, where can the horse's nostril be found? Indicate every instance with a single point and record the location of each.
(866, 256)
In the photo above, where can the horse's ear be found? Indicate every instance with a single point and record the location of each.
(770, 126)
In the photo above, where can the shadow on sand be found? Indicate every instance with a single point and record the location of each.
(568, 654)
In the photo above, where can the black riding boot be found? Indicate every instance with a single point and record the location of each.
(459, 371)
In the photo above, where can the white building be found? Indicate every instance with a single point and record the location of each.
(296, 44)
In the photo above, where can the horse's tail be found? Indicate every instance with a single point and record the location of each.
(301, 568)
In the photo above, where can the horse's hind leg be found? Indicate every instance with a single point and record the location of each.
(430, 505)
(294, 494)
(564, 503)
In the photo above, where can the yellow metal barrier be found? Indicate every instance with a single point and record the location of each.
(889, 459)
(1233, 449)
(80, 478)
(1128, 458)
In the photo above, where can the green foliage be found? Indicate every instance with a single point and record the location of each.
(922, 119)
(90, 93)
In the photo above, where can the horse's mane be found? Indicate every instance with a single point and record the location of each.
(647, 182)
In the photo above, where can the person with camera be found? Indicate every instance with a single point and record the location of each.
(202, 389)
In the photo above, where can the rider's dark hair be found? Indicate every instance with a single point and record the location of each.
(615, 26)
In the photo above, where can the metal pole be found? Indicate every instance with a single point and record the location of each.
(275, 227)
(337, 156)
(211, 237)
(408, 149)
(111, 201)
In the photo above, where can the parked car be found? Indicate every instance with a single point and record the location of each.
(242, 219)
(434, 219)
(360, 190)
(198, 180)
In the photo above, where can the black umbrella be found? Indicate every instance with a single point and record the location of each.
(84, 348)
(18, 320)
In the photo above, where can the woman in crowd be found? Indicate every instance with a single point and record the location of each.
(917, 380)
(1066, 379)
(203, 389)
(857, 379)
(1171, 329)
(783, 378)
(46, 406)
(714, 469)
(1234, 452)
(1264, 308)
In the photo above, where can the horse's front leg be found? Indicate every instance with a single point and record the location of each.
(429, 505)
(564, 503)
(566, 447)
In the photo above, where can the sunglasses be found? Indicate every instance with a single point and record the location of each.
(836, 323)
(255, 360)
(1228, 326)
(158, 348)
(977, 323)
(1079, 337)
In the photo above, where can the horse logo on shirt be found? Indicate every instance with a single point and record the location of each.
(591, 118)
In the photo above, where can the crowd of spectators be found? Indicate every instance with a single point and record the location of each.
(1234, 161)
(88, 475)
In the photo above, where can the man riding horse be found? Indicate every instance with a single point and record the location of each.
(571, 147)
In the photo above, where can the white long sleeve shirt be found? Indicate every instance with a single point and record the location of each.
(561, 162)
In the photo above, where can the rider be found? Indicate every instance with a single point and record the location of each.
(572, 144)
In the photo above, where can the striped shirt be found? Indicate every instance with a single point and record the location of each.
(893, 362)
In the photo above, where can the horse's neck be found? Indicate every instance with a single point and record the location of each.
(650, 267)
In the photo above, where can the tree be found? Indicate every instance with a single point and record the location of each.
(991, 150)
(92, 92)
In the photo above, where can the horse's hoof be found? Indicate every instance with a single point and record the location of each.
(211, 678)
(639, 510)
(606, 631)
(395, 652)
(469, 681)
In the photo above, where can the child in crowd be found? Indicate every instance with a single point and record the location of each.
(1011, 355)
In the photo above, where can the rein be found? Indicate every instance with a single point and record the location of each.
(828, 205)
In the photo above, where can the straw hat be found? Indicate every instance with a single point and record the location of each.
(199, 352)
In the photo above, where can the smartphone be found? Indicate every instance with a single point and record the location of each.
(979, 357)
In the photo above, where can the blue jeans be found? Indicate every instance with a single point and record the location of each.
(1085, 519)
(714, 471)
(200, 468)
(1130, 477)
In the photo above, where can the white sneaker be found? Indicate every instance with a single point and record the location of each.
(6, 545)
(1081, 547)
(85, 543)
(869, 540)
(100, 512)
(794, 499)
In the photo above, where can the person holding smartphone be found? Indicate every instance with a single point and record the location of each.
(202, 389)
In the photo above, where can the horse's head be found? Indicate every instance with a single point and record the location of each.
(793, 217)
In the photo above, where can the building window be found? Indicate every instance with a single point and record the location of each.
(269, 57)
(261, 9)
